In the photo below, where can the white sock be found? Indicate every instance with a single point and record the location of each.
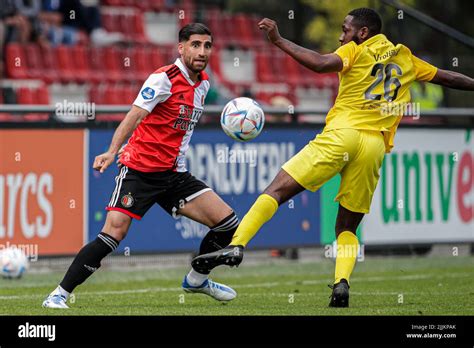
(195, 278)
(59, 290)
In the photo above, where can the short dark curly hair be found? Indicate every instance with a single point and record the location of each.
(191, 29)
(367, 17)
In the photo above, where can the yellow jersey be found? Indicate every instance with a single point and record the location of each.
(374, 86)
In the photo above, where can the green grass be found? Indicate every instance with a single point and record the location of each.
(429, 286)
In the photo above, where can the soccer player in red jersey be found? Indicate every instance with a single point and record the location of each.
(153, 168)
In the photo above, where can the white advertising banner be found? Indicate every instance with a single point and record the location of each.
(425, 192)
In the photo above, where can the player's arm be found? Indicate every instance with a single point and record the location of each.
(123, 131)
(453, 79)
(321, 63)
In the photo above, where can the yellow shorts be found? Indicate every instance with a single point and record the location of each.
(356, 154)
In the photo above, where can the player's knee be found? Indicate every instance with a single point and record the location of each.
(117, 227)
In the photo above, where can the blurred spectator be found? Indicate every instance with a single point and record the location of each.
(280, 101)
(30, 9)
(85, 15)
(13, 27)
(51, 22)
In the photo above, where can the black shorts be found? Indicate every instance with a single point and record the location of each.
(135, 192)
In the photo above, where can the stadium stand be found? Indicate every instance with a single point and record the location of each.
(113, 73)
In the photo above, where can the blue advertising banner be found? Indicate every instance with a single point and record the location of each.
(238, 172)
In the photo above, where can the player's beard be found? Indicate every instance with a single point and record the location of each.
(356, 39)
(195, 70)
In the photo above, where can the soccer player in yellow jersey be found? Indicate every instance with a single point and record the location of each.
(375, 77)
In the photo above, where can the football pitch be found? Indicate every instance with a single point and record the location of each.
(380, 286)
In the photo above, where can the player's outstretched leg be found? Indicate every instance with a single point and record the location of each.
(261, 211)
(88, 260)
(282, 188)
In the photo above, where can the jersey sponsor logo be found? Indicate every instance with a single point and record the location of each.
(187, 118)
(148, 93)
(127, 201)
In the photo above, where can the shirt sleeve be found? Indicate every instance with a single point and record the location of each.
(347, 53)
(156, 89)
(424, 71)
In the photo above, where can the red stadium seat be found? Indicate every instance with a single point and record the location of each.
(215, 62)
(112, 95)
(157, 5)
(243, 30)
(25, 96)
(112, 64)
(279, 70)
(292, 70)
(139, 28)
(227, 30)
(41, 95)
(264, 67)
(16, 64)
(96, 63)
(111, 2)
(155, 59)
(259, 37)
(50, 65)
(34, 61)
(96, 94)
(139, 60)
(65, 61)
(125, 64)
(81, 66)
(110, 22)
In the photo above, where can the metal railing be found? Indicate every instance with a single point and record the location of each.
(450, 117)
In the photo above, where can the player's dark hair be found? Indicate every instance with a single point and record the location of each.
(193, 28)
(367, 17)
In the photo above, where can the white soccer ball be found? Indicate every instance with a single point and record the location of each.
(242, 119)
(13, 263)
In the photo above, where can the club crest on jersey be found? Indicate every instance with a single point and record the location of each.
(148, 93)
(127, 201)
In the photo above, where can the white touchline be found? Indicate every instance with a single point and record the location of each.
(255, 285)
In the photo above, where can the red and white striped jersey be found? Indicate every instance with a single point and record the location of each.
(175, 104)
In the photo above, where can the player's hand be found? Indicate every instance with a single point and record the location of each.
(102, 162)
(270, 28)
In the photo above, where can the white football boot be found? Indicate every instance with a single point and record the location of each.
(55, 300)
(217, 291)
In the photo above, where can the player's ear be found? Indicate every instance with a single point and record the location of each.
(181, 48)
(363, 33)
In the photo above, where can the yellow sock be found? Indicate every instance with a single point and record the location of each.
(262, 211)
(347, 249)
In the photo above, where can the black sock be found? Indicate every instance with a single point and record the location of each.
(87, 261)
(219, 236)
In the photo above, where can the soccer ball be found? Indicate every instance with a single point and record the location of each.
(242, 119)
(13, 263)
